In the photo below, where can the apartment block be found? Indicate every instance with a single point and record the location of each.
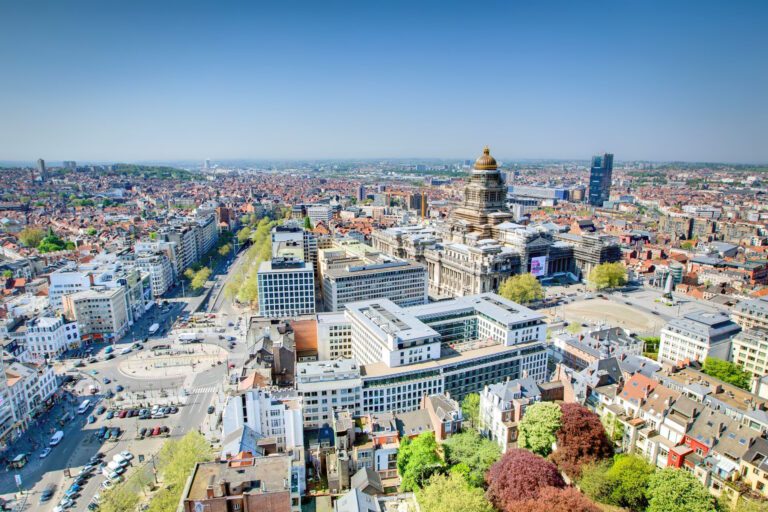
(696, 336)
(101, 313)
(286, 288)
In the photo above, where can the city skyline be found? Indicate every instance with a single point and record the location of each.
(186, 81)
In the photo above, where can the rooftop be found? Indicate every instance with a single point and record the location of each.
(260, 474)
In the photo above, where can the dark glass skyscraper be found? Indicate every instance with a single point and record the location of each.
(600, 179)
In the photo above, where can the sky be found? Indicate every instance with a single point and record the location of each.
(169, 80)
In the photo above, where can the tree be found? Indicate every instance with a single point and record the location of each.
(608, 275)
(538, 427)
(594, 481)
(7, 274)
(307, 223)
(677, 490)
(745, 505)
(518, 476)
(153, 235)
(51, 243)
(451, 493)
(200, 278)
(523, 289)
(552, 499)
(727, 372)
(225, 249)
(90, 231)
(629, 478)
(470, 408)
(474, 451)
(581, 439)
(243, 235)
(418, 460)
(189, 273)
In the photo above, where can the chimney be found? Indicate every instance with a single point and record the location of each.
(223, 487)
(209, 492)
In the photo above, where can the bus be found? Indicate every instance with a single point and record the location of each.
(83, 407)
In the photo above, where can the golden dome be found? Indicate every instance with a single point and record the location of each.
(486, 162)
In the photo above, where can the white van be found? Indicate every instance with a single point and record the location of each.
(56, 438)
(84, 406)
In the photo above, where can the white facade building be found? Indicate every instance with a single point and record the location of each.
(48, 337)
(160, 271)
(29, 386)
(270, 414)
(328, 385)
(319, 213)
(286, 288)
(696, 336)
(99, 312)
(334, 336)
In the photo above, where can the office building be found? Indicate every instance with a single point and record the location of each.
(600, 176)
(319, 213)
(455, 347)
(352, 271)
(100, 313)
(42, 173)
(158, 267)
(334, 336)
(696, 336)
(286, 288)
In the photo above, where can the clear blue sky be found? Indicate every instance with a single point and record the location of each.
(162, 80)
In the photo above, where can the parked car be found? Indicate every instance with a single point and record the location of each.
(102, 432)
(110, 415)
(91, 419)
(143, 431)
(47, 493)
(109, 356)
(164, 429)
(106, 380)
(100, 410)
(119, 388)
(211, 409)
(116, 432)
(156, 431)
(122, 414)
(174, 410)
(126, 455)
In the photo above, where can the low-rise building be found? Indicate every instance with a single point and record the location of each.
(51, 336)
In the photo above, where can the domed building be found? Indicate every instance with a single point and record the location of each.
(480, 245)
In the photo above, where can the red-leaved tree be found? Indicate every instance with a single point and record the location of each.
(519, 475)
(552, 499)
(581, 440)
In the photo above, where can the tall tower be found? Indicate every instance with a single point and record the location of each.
(600, 176)
(41, 169)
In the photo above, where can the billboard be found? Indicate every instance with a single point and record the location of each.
(539, 266)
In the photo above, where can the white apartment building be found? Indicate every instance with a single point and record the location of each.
(319, 213)
(751, 313)
(334, 336)
(696, 336)
(99, 312)
(159, 268)
(749, 350)
(269, 414)
(30, 386)
(328, 385)
(48, 337)
(502, 406)
(286, 288)
(108, 272)
(168, 248)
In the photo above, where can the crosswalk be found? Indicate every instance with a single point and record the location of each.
(204, 389)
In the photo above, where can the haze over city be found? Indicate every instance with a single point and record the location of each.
(159, 81)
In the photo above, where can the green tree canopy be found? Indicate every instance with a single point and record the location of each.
(243, 235)
(608, 275)
(7, 274)
(623, 483)
(523, 289)
(51, 243)
(90, 231)
(418, 460)
(476, 452)
(727, 372)
(225, 249)
(677, 490)
(470, 408)
(307, 223)
(200, 277)
(451, 493)
(537, 430)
